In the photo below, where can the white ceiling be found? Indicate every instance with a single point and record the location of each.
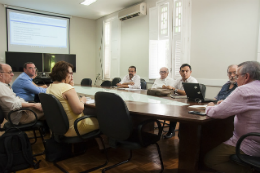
(73, 7)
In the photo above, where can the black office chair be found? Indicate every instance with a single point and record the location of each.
(143, 84)
(106, 83)
(203, 90)
(239, 158)
(58, 122)
(116, 123)
(86, 82)
(33, 126)
(116, 80)
(2, 117)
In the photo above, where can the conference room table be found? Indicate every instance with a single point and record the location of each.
(198, 134)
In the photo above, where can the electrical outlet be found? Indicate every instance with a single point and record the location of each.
(2, 59)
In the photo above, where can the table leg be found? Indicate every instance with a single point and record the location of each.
(189, 147)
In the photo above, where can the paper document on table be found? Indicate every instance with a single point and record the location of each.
(198, 106)
(132, 89)
(90, 101)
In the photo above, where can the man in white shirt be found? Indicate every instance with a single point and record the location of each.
(131, 80)
(10, 102)
(185, 72)
(164, 80)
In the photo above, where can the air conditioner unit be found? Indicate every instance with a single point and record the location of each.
(131, 12)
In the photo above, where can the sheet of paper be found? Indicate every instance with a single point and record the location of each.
(198, 106)
(90, 101)
(132, 89)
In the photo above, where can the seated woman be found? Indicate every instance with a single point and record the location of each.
(62, 89)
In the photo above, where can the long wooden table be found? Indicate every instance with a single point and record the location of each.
(198, 134)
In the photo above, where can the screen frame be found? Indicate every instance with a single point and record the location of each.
(6, 15)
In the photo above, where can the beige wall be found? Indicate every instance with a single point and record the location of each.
(82, 43)
(223, 32)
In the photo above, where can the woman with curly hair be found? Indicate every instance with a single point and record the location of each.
(62, 89)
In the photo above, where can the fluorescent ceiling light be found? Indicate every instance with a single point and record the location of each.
(88, 2)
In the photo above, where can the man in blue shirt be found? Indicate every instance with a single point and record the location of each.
(230, 86)
(23, 85)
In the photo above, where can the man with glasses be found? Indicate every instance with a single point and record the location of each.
(244, 104)
(23, 85)
(10, 102)
(230, 86)
(185, 72)
(164, 81)
(131, 80)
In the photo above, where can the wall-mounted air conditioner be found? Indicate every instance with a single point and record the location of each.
(131, 12)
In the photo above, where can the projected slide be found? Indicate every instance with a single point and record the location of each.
(32, 32)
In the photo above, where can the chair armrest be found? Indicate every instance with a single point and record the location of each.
(24, 125)
(239, 143)
(142, 124)
(78, 120)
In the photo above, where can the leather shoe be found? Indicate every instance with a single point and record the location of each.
(169, 135)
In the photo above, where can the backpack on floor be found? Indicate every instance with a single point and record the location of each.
(16, 151)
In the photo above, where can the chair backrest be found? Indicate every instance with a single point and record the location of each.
(2, 116)
(106, 83)
(116, 80)
(86, 82)
(203, 90)
(142, 80)
(143, 84)
(113, 116)
(54, 113)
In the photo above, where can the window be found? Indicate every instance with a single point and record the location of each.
(111, 47)
(169, 36)
(159, 39)
(107, 50)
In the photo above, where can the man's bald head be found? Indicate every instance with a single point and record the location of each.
(6, 73)
(164, 71)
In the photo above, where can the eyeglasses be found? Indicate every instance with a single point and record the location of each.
(230, 73)
(30, 68)
(10, 72)
(162, 72)
(239, 75)
(71, 73)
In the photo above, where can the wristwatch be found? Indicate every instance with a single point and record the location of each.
(176, 90)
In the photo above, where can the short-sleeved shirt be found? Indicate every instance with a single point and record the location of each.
(225, 91)
(24, 88)
(178, 83)
(85, 126)
(158, 83)
(136, 79)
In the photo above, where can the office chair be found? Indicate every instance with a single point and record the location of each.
(86, 82)
(116, 123)
(54, 112)
(116, 80)
(2, 117)
(106, 83)
(33, 126)
(143, 84)
(252, 161)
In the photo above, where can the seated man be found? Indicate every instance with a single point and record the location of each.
(185, 72)
(23, 85)
(131, 80)
(10, 102)
(244, 104)
(164, 80)
(230, 86)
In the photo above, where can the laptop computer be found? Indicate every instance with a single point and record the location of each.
(196, 92)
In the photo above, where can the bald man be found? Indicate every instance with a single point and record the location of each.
(164, 80)
(10, 102)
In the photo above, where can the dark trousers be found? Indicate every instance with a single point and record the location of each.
(172, 127)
